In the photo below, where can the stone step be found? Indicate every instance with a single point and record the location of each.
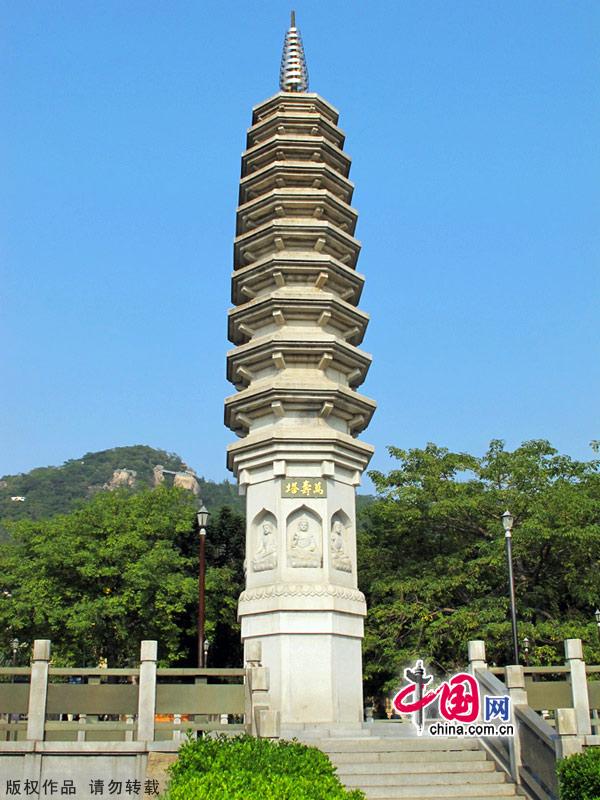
(380, 728)
(426, 757)
(310, 734)
(362, 767)
(416, 768)
(389, 744)
(410, 779)
(464, 792)
(424, 741)
(438, 796)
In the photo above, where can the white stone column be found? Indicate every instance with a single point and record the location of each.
(296, 366)
(579, 688)
(147, 691)
(38, 690)
(569, 741)
(515, 683)
(476, 655)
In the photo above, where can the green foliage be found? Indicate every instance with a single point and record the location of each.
(123, 566)
(225, 546)
(432, 561)
(225, 493)
(121, 569)
(579, 775)
(58, 490)
(245, 768)
(363, 501)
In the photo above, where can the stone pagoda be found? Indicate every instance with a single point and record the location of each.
(296, 366)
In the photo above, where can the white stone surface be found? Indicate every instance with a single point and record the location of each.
(296, 367)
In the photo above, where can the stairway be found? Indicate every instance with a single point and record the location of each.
(416, 768)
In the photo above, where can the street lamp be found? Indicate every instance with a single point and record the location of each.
(202, 517)
(526, 649)
(15, 649)
(507, 522)
(206, 646)
(597, 615)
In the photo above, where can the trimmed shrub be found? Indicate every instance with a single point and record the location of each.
(579, 775)
(245, 768)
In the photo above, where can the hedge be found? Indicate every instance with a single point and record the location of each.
(246, 768)
(579, 775)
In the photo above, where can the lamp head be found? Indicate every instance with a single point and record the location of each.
(597, 615)
(507, 520)
(202, 515)
(15, 645)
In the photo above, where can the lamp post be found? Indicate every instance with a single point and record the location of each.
(15, 649)
(507, 522)
(202, 517)
(597, 615)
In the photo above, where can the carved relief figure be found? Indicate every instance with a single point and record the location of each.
(266, 552)
(339, 558)
(304, 549)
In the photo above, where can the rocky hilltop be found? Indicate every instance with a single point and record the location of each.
(46, 491)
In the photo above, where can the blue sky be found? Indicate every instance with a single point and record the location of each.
(473, 128)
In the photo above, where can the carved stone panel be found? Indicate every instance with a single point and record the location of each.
(338, 542)
(264, 531)
(304, 539)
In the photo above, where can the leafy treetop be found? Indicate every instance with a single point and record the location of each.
(432, 560)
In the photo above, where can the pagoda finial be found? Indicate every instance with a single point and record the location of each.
(293, 75)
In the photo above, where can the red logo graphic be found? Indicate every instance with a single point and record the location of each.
(458, 698)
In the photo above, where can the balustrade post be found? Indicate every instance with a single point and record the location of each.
(515, 683)
(147, 691)
(476, 655)
(260, 719)
(177, 730)
(579, 687)
(129, 729)
(38, 690)
(253, 652)
(568, 741)
(82, 723)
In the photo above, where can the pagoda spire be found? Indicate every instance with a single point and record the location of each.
(293, 75)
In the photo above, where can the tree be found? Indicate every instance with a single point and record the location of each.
(225, 547)
(121, 569)
(432, 560)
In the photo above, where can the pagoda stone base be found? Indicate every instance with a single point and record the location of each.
(314, 659)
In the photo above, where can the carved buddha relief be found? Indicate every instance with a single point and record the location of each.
(265, 536)
(338, 543)
(304, 538)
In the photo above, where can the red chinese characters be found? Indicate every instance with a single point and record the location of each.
(458, 698)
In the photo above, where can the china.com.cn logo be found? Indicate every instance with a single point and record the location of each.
(459, 705)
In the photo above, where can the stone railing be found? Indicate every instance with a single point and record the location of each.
(144, 703)
(84, 732)
(568, 723)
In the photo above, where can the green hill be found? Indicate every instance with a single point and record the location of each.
(46, 491)
(57, 490)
